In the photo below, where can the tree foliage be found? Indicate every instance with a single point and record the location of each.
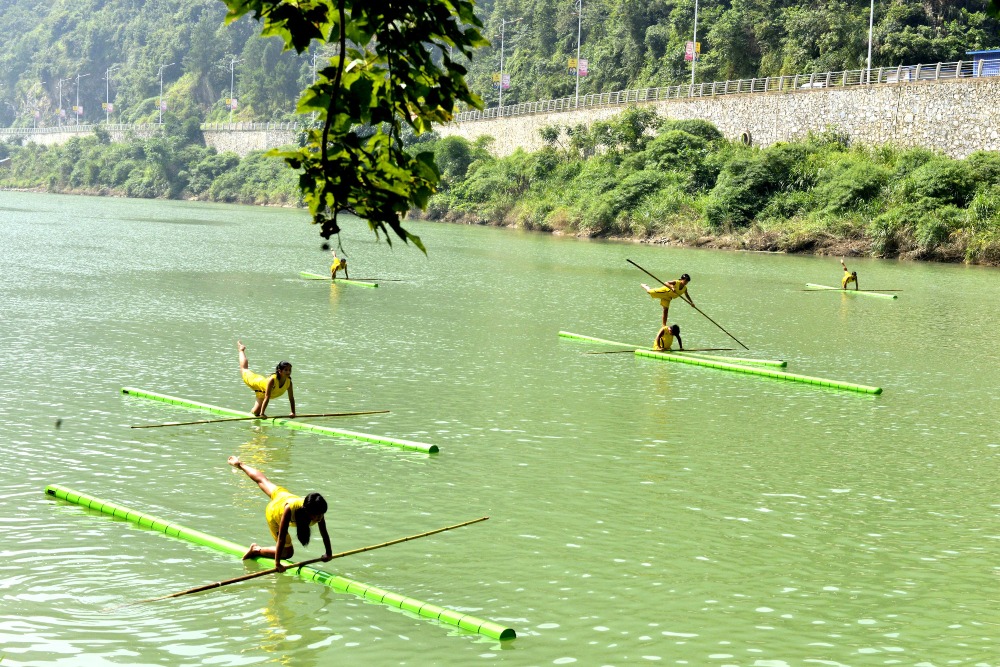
(393, 67)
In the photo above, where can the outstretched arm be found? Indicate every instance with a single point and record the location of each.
(267, 397)
(843, 265)
(279, 546)
(291, 398)
(326, 539)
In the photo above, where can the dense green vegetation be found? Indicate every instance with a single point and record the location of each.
(175, 165)
(638, 175)
(48, 42)
(639, 43)
(629, 43)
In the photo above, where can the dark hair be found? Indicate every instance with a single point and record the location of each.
(313, 505)
(686, 277)
(282, 365)
(675, 329)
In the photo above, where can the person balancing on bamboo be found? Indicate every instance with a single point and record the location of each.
(671, 290)
(338, 265)
(266, 388)
(284, 511)
(665, 338)
(849, 276)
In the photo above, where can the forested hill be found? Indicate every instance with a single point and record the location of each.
(628, 43)
(639, 43)
(45, 42)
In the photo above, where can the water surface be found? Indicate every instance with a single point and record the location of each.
(640, 511)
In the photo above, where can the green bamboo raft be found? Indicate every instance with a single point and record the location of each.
(372, 593)
(697, 355)
(880, 295)
(294, 424)
(725, 366)
(316, 276)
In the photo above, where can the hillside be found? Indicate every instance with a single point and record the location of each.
(628, 43)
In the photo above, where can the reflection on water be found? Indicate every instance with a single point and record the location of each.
(639, 511)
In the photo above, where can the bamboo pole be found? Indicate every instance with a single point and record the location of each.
(292, 566)
(237, 419)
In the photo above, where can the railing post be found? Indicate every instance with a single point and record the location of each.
(937, 72)
(844, 84)
(827, 84)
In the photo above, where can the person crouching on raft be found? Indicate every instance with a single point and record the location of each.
(665, 338)
(266, 388)
(670, 291)
(849, 276)
(337, 265)
(283, 511)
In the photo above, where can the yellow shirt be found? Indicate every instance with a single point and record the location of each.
(666, 295)
(664, 340)
(337, 265)
(259, 384)
(848, 278)
(280, 499)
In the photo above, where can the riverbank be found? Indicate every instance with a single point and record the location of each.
(654, 180)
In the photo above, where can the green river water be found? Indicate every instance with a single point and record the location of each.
(641, 512)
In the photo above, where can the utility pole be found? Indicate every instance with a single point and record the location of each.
(871, 24)
(694, 43)
(579, 23)
(107, 93)
(232, 78)
(160, 101)
(77, 111)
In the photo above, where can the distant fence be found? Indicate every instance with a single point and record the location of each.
(771, 84)
(144, 128)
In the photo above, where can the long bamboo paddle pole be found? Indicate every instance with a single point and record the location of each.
(688, 302)
(273, 570)
(700, 349)
(238, 419)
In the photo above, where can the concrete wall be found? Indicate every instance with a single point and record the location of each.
(957, 116)
(242, 142)
(234, 138)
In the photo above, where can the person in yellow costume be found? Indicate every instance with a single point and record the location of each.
(849, 276)
(673, 289)
(665, 338)
(338, 265)
(266, 388)
(283, 511)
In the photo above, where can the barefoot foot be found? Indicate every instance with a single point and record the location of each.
(252, 552)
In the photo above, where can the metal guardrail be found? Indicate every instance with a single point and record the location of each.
(229, 127)
(145, 127)
(773, 84)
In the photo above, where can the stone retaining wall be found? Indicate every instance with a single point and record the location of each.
(956, 116)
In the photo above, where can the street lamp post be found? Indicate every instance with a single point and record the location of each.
(579, 25)
(160, 100)
(871, 25)
(503, 24)
(34, 112)
(77, 110)
(694, 43)
(61, 99)
(107, 93)
(232, 79)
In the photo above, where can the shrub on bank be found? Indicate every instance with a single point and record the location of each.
(636, 177)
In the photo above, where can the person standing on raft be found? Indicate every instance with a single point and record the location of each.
(266, 388)
(849, 276)
(670, 291)
(283, 511)
(338, 264)
(665, 338)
